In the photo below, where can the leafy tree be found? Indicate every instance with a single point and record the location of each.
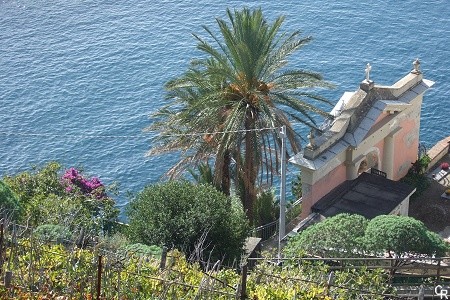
(401, 236)
(49, 197)
(231, 95)
(9, 203)
(181, 214)
(338, 236)
(32, 188)
(347, 235)
(421, 164)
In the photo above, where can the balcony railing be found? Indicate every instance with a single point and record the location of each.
(268, 230)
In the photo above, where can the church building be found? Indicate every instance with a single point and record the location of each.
(354, 162)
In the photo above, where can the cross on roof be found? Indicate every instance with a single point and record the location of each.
(368, 69)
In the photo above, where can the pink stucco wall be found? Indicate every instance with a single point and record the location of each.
(321, 188)
(406, 145)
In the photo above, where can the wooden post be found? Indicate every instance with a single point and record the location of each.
(421, 295)
(118, 284)
(99, 277)
(9, 274)
(30, 267)
(391, 270)
(1, 247)
(438, 272)
(330, 282)
(8, 279)
(244, 282)
(162, 264)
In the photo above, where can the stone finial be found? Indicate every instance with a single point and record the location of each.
(312, 142)
(368, 69)
(416, 66)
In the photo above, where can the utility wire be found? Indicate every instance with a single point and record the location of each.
(221, 132)
(88, 135)
(31, 134)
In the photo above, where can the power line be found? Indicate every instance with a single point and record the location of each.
(221, 132)
(88, 135)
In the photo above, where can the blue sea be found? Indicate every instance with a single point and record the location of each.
(80, 79)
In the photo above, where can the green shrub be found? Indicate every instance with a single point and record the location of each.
(145, 250)
(43, 196)
(400, 236)
(53, 233)
(178, 214)
(296, 187)
(420, 181)
(265, 211)
(416, 176)
(338, 236)
(9, 203)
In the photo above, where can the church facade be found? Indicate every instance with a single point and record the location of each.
(374, 128)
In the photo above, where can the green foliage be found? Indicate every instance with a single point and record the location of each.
(338, 236)
(421, 164)
(32, 188)
(306, 280)
(294, 210)
(363, 281)
(203, 174)
(416, 176)
(296, 186)
(54, 272)
(347, 235)
(266, 211)
(50, 270)
(52, 233)
(420, 181)
(177, 215)
(44, 199)
(240, 82)
(401, 236)
(144, 250)
(9, 203)
(114, 242)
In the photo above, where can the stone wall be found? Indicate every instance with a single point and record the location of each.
(438, 151)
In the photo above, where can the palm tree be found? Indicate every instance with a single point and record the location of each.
(229, 105)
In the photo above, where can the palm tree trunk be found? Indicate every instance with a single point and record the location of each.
(225, 181)
(250, 167)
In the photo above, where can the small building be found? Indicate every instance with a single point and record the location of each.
(369, 195)
(373, 128)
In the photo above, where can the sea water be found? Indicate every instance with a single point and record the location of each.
(80, 79)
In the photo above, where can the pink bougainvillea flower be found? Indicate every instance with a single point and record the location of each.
(89, 187)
